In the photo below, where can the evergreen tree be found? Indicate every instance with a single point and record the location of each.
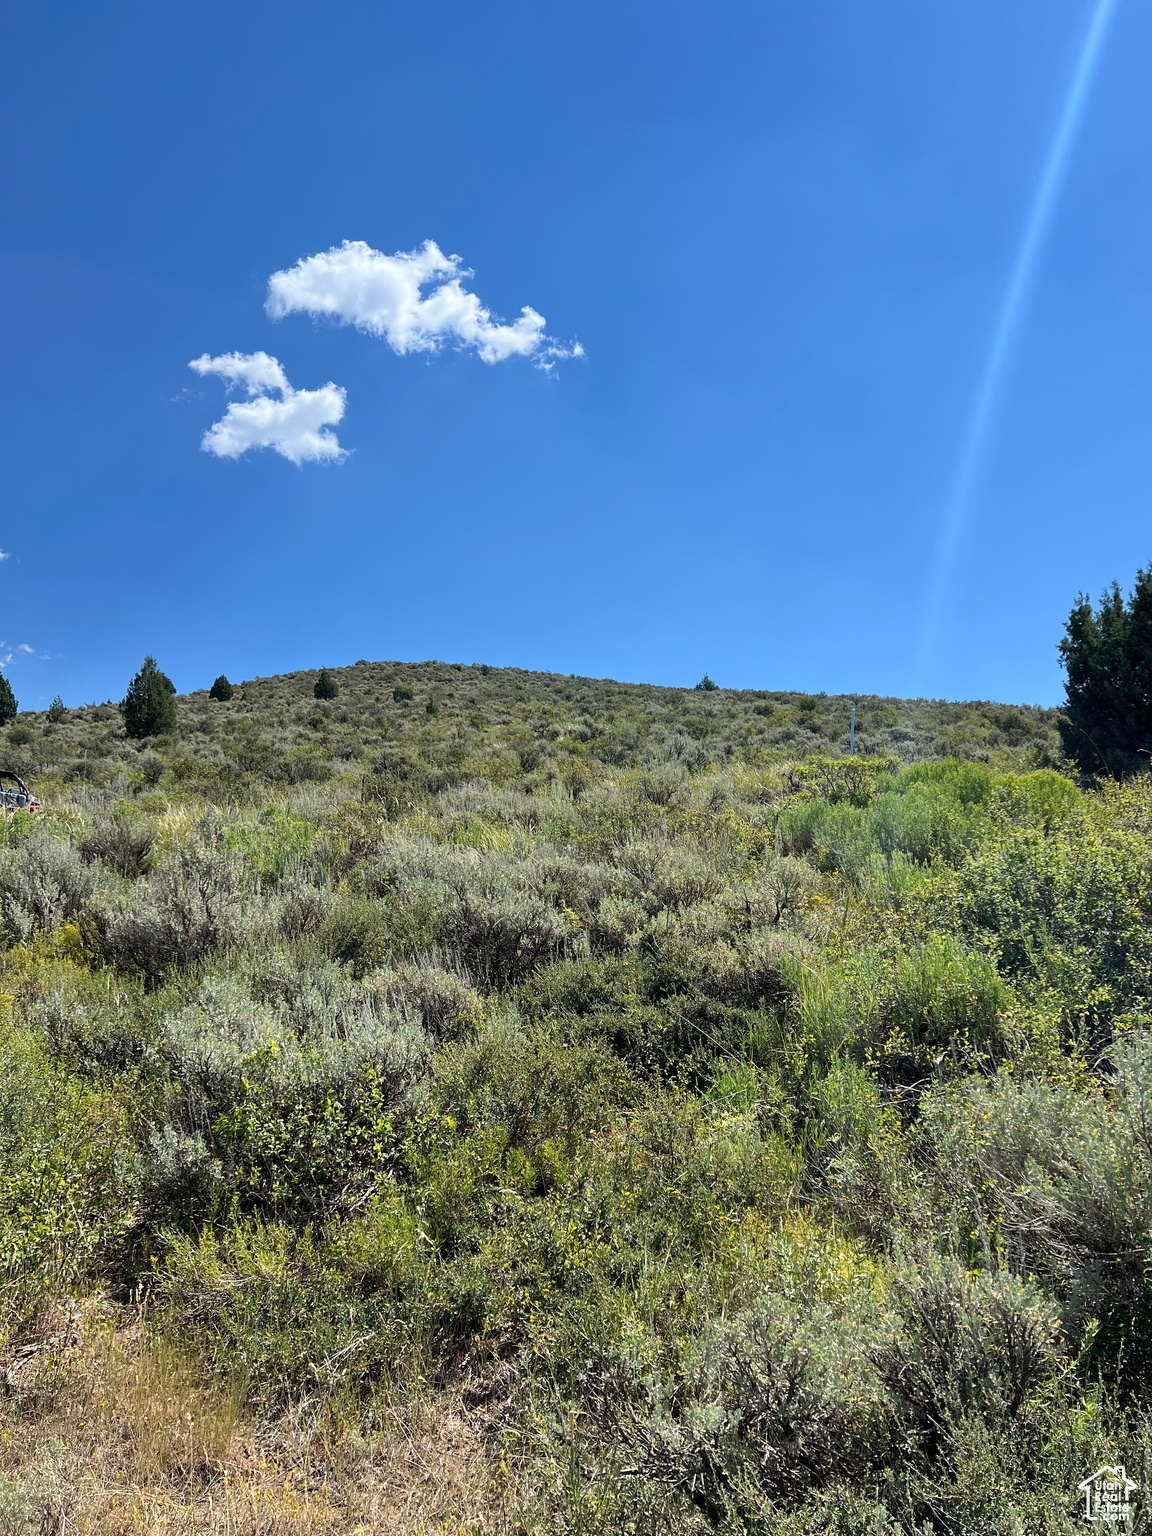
(326, 685)
(7, 701)
(221, 689)
(149, 706)
(1107, 655)
(706, 685)
(56, 710)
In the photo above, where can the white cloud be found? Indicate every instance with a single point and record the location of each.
(4, 555)
(10, 651)
(381, 294)
(255, 370)
(293, 425)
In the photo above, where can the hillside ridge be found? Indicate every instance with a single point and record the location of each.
(566, 1079)
(507, 723)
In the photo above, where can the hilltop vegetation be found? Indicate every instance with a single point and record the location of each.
(429, 725)
(485, 1101)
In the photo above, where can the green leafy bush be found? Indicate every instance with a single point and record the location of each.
(66, 1188)
(287, 1090)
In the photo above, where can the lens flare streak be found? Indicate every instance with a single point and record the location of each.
(1008, 324)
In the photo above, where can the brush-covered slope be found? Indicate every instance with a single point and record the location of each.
(418, 727)
(492, 1103)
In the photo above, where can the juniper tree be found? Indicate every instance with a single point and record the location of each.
(221, 689)
(149, 706)
(326, 686)
(8, 707)
(1107, 655)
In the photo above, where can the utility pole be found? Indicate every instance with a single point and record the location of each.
(852, 734)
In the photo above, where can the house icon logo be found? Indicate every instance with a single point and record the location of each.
(1108, 1495)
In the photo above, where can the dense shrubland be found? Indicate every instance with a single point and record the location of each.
(415, 729)
(719, 1136)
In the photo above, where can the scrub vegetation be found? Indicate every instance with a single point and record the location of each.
(467, 1100)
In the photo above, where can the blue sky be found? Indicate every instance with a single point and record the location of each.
(782, 233)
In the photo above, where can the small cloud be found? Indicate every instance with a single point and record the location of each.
(292, 426)
(10, 652)
(379, 294)
(4, 555)
(255, 370)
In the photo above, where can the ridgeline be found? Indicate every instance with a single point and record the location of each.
(430, 724)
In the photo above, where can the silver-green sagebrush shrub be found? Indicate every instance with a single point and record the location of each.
(93, 1030)
(302, 907)
(750, 970)
(188, 908)
(1061, 1181)
(43, 882)
(616, 924)
(124, 844)
(444, 1001)
(665, 876)
(678, 750)
(287, 1084)
(790, 1400)
(776, 896)
(38, 1497)
(968, 1342)
(500, 931)
(764, 1407)
(502, 915)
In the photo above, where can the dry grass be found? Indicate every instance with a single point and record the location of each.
(109, 1429)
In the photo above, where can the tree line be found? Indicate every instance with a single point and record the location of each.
(149, 705)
